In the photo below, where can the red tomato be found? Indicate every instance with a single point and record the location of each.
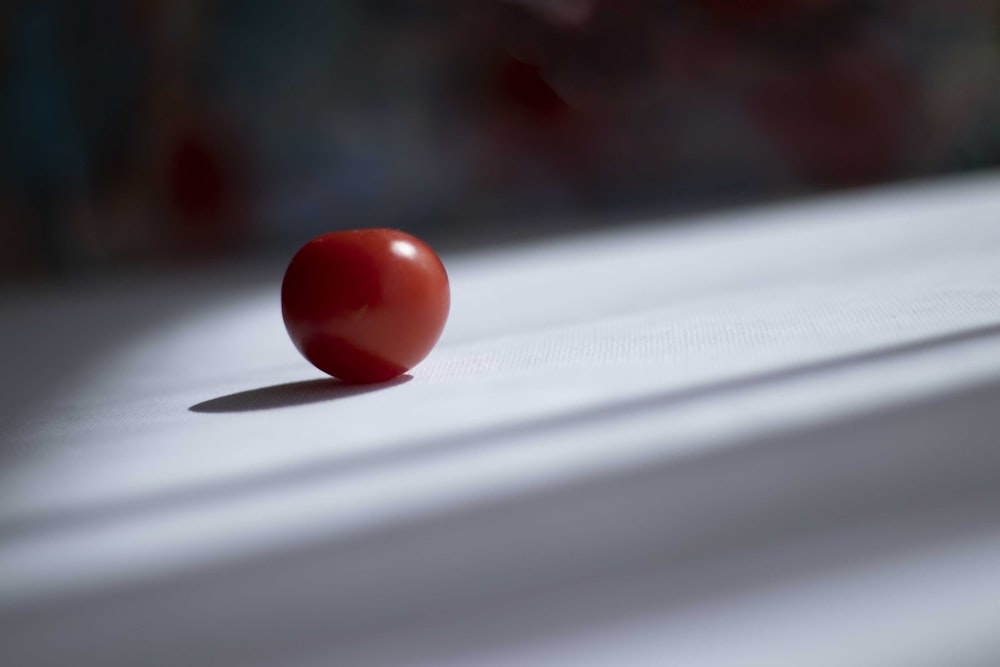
(365, 305)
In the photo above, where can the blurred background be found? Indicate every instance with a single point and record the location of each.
(152, 131)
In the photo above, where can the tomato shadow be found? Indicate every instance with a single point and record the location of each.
(292, 394)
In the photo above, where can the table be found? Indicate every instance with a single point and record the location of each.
(761, 436)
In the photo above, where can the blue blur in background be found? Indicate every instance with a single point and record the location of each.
(154, 130)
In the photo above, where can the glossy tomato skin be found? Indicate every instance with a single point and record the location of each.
(365, 305)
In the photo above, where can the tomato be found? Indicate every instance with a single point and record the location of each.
(365, 305)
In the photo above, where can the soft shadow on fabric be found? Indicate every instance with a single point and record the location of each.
(291, 394)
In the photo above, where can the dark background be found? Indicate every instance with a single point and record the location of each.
(156, 131)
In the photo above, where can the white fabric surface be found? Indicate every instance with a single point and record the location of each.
(764, 437)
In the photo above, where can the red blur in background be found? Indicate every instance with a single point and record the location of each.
(155, 131)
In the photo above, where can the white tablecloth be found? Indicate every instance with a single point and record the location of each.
(770, 436)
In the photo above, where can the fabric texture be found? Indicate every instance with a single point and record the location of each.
(625, 446)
